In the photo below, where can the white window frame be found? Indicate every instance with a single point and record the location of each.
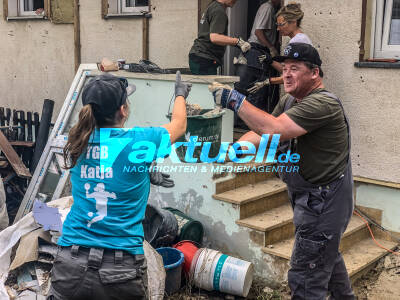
(380, 30)
(23, 13)
(129, 9)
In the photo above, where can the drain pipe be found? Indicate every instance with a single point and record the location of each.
(77, 36)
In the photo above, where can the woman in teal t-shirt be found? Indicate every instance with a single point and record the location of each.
(100, 252)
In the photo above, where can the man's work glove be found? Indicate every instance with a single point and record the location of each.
(273, 51)
(267, 59)
(181, 88)
(159, 178)
(258, 86)
(243, 45)
(226, 97)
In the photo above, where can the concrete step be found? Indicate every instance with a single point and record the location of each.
(256, 198)
(362, 256)
(239, 179)
(356, 231)
(276, 224)
(359, 258)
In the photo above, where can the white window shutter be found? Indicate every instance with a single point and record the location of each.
(12, 10)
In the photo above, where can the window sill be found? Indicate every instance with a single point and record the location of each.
(377, 65)
(129, 15)
(26, 18)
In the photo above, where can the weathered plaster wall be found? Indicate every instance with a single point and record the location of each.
(37, 63)
(173, 27)
(370, 96)
(382, 198)
(38, 56)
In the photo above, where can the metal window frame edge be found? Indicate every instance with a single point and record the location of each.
(386, 48)
(122, 8)
(64, 115)
(378, 31)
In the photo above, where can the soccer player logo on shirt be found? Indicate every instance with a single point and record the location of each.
(101, 196)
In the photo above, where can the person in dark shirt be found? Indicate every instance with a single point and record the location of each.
(208, 49)
(312, 123)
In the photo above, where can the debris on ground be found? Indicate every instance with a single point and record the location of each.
(25, 272)
(382, 282)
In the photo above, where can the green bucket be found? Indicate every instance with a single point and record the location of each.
(188, 229)
(207, 128)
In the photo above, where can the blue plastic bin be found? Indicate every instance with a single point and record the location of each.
(173, 260)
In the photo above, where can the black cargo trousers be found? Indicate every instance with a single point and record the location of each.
(252, 72)
(321, 214)
(81, 274)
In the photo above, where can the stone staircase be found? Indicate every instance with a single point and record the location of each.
(265, 210)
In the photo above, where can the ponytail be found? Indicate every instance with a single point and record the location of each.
(78, 137)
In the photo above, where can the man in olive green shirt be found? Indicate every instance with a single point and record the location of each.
(324, 149)
(208, 49)
(312, 123)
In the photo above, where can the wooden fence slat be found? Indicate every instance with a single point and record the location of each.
(13, 158)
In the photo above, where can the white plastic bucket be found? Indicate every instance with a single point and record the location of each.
(217, 271)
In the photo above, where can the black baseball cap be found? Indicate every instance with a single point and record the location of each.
(108, 92)
(302, 52)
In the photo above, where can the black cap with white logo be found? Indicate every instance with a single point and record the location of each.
(108, 92)
(300, 51)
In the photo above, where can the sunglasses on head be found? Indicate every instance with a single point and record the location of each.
(281, 24)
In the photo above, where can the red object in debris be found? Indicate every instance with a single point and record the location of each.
(189, 249)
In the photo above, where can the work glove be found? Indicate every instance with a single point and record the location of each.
(273, 51)
(243, 45)
(226, 97)
(241, 60)
(267, 59)
(181, 88)
(258, 86)
(159, 178)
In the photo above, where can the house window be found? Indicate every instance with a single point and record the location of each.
(122, 8)
(134, 6)
(386, 33)
(30, 7)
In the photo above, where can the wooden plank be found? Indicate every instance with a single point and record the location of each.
(77, 35)
(13, 158)
(377, 182)
(104, 8)
(5, 9)
(22, 143)
(145, 38)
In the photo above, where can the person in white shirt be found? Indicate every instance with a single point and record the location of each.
(288, 23)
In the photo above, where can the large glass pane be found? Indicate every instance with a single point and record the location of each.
(133, 3)
(394, 35)
(130, 3)
(28, 5)
(32, 5)
(73, 119)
